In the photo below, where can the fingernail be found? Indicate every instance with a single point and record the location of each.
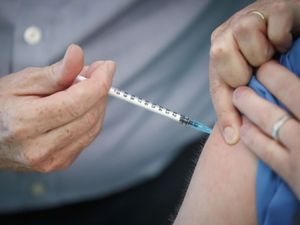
(60, 64)
(67, 52)
(94, 66)
(230, 136)
(111, 67)
(238, 93)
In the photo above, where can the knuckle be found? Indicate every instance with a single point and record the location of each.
(241, 28)
(218, 51)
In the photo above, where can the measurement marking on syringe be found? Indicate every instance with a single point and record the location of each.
(123, 95)
(146, 103)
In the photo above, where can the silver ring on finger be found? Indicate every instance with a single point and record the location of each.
(277, 126)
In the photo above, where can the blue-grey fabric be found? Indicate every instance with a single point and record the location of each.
(161, 49)
(275, 202)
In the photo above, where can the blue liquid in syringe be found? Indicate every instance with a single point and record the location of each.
(199, 126)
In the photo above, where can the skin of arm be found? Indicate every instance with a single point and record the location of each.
(222, 189)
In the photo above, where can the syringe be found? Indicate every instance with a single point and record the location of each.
(155, 108)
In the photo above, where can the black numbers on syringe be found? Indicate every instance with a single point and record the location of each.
(146, 103)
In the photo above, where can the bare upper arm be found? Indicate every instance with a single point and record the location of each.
(222, 189)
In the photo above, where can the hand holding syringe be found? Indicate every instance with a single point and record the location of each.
(155, 108)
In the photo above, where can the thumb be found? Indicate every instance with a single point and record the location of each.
(229, 120)
(62, 74)
(49, 79)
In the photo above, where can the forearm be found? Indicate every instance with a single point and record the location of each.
(222, 189)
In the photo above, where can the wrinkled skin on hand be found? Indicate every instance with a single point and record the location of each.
(46, 120)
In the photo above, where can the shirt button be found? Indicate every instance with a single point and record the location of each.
(37, 189)
(32, 35)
